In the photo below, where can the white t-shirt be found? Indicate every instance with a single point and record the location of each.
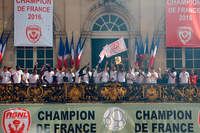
(140, 77)
(154, 77)
(105, 77)
(122, 77)
(17, 76)
(172, 78)
(49, 76)
(77, 77)
(59, 76)
(34, 78)
(6, 77)
(26, 77)
(184, 77)
(97, 77)
(70, 77)
(130, 77)
(113, 76)
(148, 78)
(86, 78)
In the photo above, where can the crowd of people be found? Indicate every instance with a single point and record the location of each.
(114, 73)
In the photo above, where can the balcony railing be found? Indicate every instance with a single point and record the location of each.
(109, 92)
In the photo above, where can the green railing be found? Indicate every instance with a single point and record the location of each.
(109, 92)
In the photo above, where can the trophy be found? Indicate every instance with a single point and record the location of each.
(118, 60)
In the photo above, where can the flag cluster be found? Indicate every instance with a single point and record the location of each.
(66, 52)
(3, 45)
(142, 52)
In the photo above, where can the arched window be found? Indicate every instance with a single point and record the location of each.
(109, 23)
(114, 26)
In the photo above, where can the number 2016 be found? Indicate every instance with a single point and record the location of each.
(34, 16)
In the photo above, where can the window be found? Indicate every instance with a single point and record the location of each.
(44, 56)
(25, 57)
(192, 58)
(109, 23)
(174, 58)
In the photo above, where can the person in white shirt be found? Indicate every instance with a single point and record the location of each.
(26, 76)
(34, 77)
(105, 74)
(70, 76)
(184, 77)
(97, 75)
(60, 75)
(148, 78)
(113, 74)
(5, 76)
(17, 75)
(140, 76)
(130, 77)
(87, 76)
(48, 76)
(122, 75)
(10, 69)
(172, 76)
(77, 77)
(159, 71)
(154, 76)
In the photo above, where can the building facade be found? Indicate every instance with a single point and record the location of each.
(101, 21)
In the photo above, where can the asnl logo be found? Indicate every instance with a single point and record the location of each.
(16, 120)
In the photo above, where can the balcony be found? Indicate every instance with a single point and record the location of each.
(99, 93)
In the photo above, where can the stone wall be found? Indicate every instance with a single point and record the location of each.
(77, 16)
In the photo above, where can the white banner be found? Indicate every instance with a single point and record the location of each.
(116, 47)
(33, 23)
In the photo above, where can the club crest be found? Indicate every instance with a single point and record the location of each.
(16, 120)
(184, 34)
(33, 33)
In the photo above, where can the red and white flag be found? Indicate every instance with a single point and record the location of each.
(116, 47)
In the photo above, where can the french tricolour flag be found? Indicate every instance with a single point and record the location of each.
(146, 51)
(72, 51)
(1, 41)
(141, 48)
(60, 53)
(136, 53)
(154, 50)
(66, 53)
(78, 50)
(79, 53)
(3, 47)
